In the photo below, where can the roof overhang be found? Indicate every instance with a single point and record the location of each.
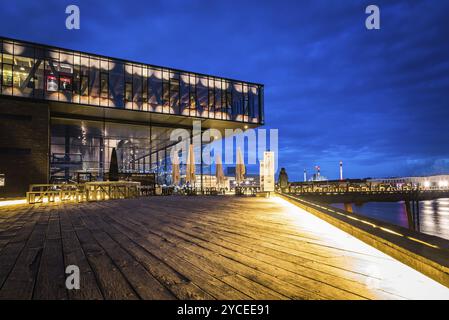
(93, 113)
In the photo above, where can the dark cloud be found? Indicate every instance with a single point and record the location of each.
(378, 100)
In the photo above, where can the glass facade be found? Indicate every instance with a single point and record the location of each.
(85, 147)
(41, 72)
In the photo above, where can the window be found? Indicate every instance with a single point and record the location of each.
(65, 79)
(65, 83)
(184, 94)
(211, 98)
(104, 87)
(84, 85)
(193, 97)
(51, 83)
(137, 87)
(201, 91)
(94, 81)
(55, 74)
(23, 79)
(7, 75)
(155, 89)
(128, 92)
(166, 91)
(174, 94)
(39, 82)
(117, 85)
(76, 80)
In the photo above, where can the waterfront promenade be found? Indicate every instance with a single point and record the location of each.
(194, 248)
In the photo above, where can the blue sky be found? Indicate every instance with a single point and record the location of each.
(378, 100)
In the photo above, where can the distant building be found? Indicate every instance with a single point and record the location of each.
(318, 177)
(428, 182)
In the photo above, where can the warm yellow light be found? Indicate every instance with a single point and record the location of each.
(391, 231)
(383, 273)
(12, 202)
(443, 184)
(423, 242)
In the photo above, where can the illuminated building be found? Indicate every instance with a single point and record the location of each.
(63, 111)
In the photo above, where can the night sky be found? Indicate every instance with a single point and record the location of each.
(378, 100)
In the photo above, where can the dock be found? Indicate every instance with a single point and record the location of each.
(194, 247)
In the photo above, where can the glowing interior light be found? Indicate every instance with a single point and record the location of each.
(426, 184)
(12, 202)
(443, 184)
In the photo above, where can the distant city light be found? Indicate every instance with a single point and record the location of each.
(443, 184)
(12, 202)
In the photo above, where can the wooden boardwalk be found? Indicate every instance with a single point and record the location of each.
(193, 248)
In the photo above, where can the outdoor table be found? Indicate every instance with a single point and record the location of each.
(102, 190)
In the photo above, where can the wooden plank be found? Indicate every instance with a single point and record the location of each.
(112, 283)
(178, 284)
(146, 286)
(317, 278)
(20, 282)
(74, 255)
(213, 286)
(229, 262)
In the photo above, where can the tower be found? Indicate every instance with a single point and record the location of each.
(341, 170)
(305, 175)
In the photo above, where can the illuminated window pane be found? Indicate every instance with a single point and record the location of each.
(7, 75)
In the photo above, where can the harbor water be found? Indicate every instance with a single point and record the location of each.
(434, 214)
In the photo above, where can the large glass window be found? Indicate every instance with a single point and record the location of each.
(94, 81)
(84, 89)
(218, 100)
(155, 89)
(137, 88)
(193, 100)
(254, 104)
(54, 74)
(184, 93)
(84, 147)
(211, 97)
(237, 102)
(174, 93)
(203, 99)
(166, 91)
(23, 77)
(7, 75)
(7, 66)
(116, 80)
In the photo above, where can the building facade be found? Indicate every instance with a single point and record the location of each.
(63, 111)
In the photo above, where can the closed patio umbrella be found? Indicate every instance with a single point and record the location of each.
(190, 170)
(219, 170)
(175, 170)
(239, 168)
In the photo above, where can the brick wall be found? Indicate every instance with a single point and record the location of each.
(24, 145)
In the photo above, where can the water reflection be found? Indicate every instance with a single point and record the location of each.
(434, 214)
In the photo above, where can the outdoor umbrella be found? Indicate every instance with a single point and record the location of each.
(219, 170)
(190, 170)
(175, 169)
(239, 168)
